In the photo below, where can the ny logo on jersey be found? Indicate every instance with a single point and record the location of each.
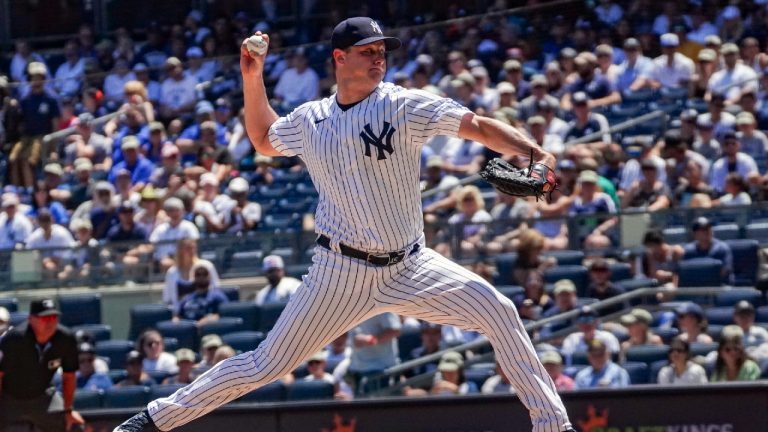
(375, 26)
(382, 142)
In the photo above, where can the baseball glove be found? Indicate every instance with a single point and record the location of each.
(536, 180)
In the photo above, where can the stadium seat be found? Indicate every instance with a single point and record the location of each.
(674, 93)
(566, 257)
(761, 314)
(505, 264)
(286, 253)
(719, 315)
(510, 291)
(714, 331)
(758, 231)
(80, 309)
(745, 261)
(243, 261)
(163, 390)
(171, 344)
(185, 331)
(222, 326)
(700, 272)
(306, 189)
(735, 295)
(409, 339)
(641, 95)
(653, 371)
(633, 284)
(309, 390)
(126, 397)
(572, 370)
(272, 392)
(726, 231)
(158, 375)
(100, 332)
(10, 304)
(243, 341)
(17, 318)
(666, 333)
(702, 349)
(293, 205)
(87, 399)
(479, 372)
(269, 315)
(647, 353)
(281, 221)
(675, 235)
(249, 312)
(638, 372)
(279, 191)
(620, 271)
(576, 273)
(579, 358)
(117, 375)
(146, 316)
(231, 291)
(115, 351)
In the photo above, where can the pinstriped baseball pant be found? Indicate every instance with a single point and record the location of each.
(338, 293)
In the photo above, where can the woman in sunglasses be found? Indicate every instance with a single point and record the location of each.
(681, 370)
(732, 362)
(154, 358)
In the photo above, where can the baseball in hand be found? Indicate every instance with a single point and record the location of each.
(256, 44)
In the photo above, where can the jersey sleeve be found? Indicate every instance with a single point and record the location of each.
(431, 115)
(287, 133)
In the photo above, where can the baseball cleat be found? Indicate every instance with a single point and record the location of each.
(141, 422)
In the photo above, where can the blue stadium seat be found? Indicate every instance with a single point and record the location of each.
(719, 315)
(633, 284)
(100, 332)
(576, 273)
(185, 331)
(758, 231)
(243, 340)
(171, 344)
(277, 192)
(699, 105)
(272, 392)
(249, 312)
(282, 221)
(638, 372)
(761, 314)
(479, 372)
(653, 372)
(674, 93)
(572, 370)
(642, 95)
(647, 353)
(301, 371)
(700, 272)
(566, 257)
(309, 390)
(9, 303)
(117, 375)
(115, 351)
(675, 235)
(231, 291)
(735, 295)
(409, 339)
(666, 333)
(126, 397)
(726, 231)
(702, 349)
(222, 326)
(87, 399)
(579, 358)
(293, 205)
(306, 189)
(505, 264)
(17, 318)
(286, 253)
(146, 316)
(714, 331)
(269, 315)
(80, 309)
(510, 291)
(243, 261)
(158, 375)
(745, 261)
(620, 271)
(163, 390)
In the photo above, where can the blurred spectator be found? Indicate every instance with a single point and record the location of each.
(701, 28)
(14, 228)
(744, 317)
(338, 351)
(534, 300)
(509, 212)
(601, 287)
(23, 56)
(529, 106)
(179, 278)
(87, 376)
(513, 70)
(736, 192)
(705, 245)
(69, 76)
(116, 80)
(451, 380)
(374, 348)
(5, 320)
(722, 121)
(691, 184)
(167, 233)
(152, 88)
(185, 363)
(264, 173)
(195, 32)
(431, 338)
(55, 243)
(470, 219)
(168, 165)
(565, 300)
(133, 124)
(637, 323)
(753, 141)
(435, 178)
(555, 125)
(151, 214)
(692, 323)
(586, 123)
(537, 127)
(601, 372)
(457, 63)
(86, 255)
(208, 346)
(677, 155)
(598, 87)
(40, 114)
(705, 142)
(487, 97)
(734, 78)
(649, 193)
(730, 24)
(498, 383)
(661, 259)
(96, 148)
(316, 368)
(596, 232)
(239, 144)
(209, 155)
(139, 167)
(130, 253)
(202, 305)
(681, 370)
(125, 190)
(222, 353)
(640, 148)
(201, 71)
(732, 362)
(152, 348)
(587, 323)
(135, 375)
(100, 210)
(188, 140)
(529, 259)
(177, 93)
(298, 84)
(460, 156)
(280, 287)
(553, 363)
(635, 65)
(239, 214)
(706, 66)
(670, 70)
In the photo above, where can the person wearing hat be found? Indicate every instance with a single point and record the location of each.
(185, 361)
(15, 228)
(279, 287)
(456, 64)
(549, 109)
(208, 346)
(601, 287)
(157, 141)
(553, 363)
(565, 298)
(135, 374)
(753, 142)
(431, 342)
(32, 353)
(692, 323)
(744, 317)
(166, 234)
(242, 214)
(537, 127)
(539, 91)
(648, 193)
(204, 114)
(706, 65)
(677, 153)
(705, 245)
(178, 92)
(591, 200)
(141, 70)
(139, 167)
(513, 74)
(705, 143)
(88, 377)
(681, 370)
(498, 383)
(587, 322)
(128, 238)
(638, 322)
(463, 90)
(670, 70)
(202, 304)
(733, 362)
(196, 67)
(597, 86)
(170, 164)
(634, 66)
(734, 78)
(586, 122)
(450, 379)
(316, 368)
(601, 372)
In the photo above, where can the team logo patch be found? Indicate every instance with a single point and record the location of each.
(382, 142)
(54, 364)
(375, 27)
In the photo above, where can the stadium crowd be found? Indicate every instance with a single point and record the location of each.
(175, 165)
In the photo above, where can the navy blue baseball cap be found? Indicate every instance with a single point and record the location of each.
(359, 31)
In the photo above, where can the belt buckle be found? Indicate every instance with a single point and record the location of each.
(396, 257)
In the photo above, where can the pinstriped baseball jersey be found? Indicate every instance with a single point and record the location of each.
(365, 161)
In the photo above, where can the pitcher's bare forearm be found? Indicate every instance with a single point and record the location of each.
(259, 115)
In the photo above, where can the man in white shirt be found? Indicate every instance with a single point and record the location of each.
(200, 71)
(115, 81)
(51, 236)
(722, 121)
(753, 141)
(168, 233)
(69, 76)
(671, 69)
(14, 227)
(177, 93)
(298, 84)
(732, 161)
(240, 214)
(537, 127)
(587, 323)
(636, 65)
(744, 317)
(280, 287)
(734, 78)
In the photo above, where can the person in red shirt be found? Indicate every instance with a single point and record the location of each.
(553, 363)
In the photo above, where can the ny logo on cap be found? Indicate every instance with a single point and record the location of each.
(48, 304)
(375, 26)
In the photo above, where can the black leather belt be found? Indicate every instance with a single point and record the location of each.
(380, 260)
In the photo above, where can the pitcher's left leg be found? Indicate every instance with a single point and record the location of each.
(433, 288)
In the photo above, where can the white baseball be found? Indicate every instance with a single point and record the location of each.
(256, 44)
